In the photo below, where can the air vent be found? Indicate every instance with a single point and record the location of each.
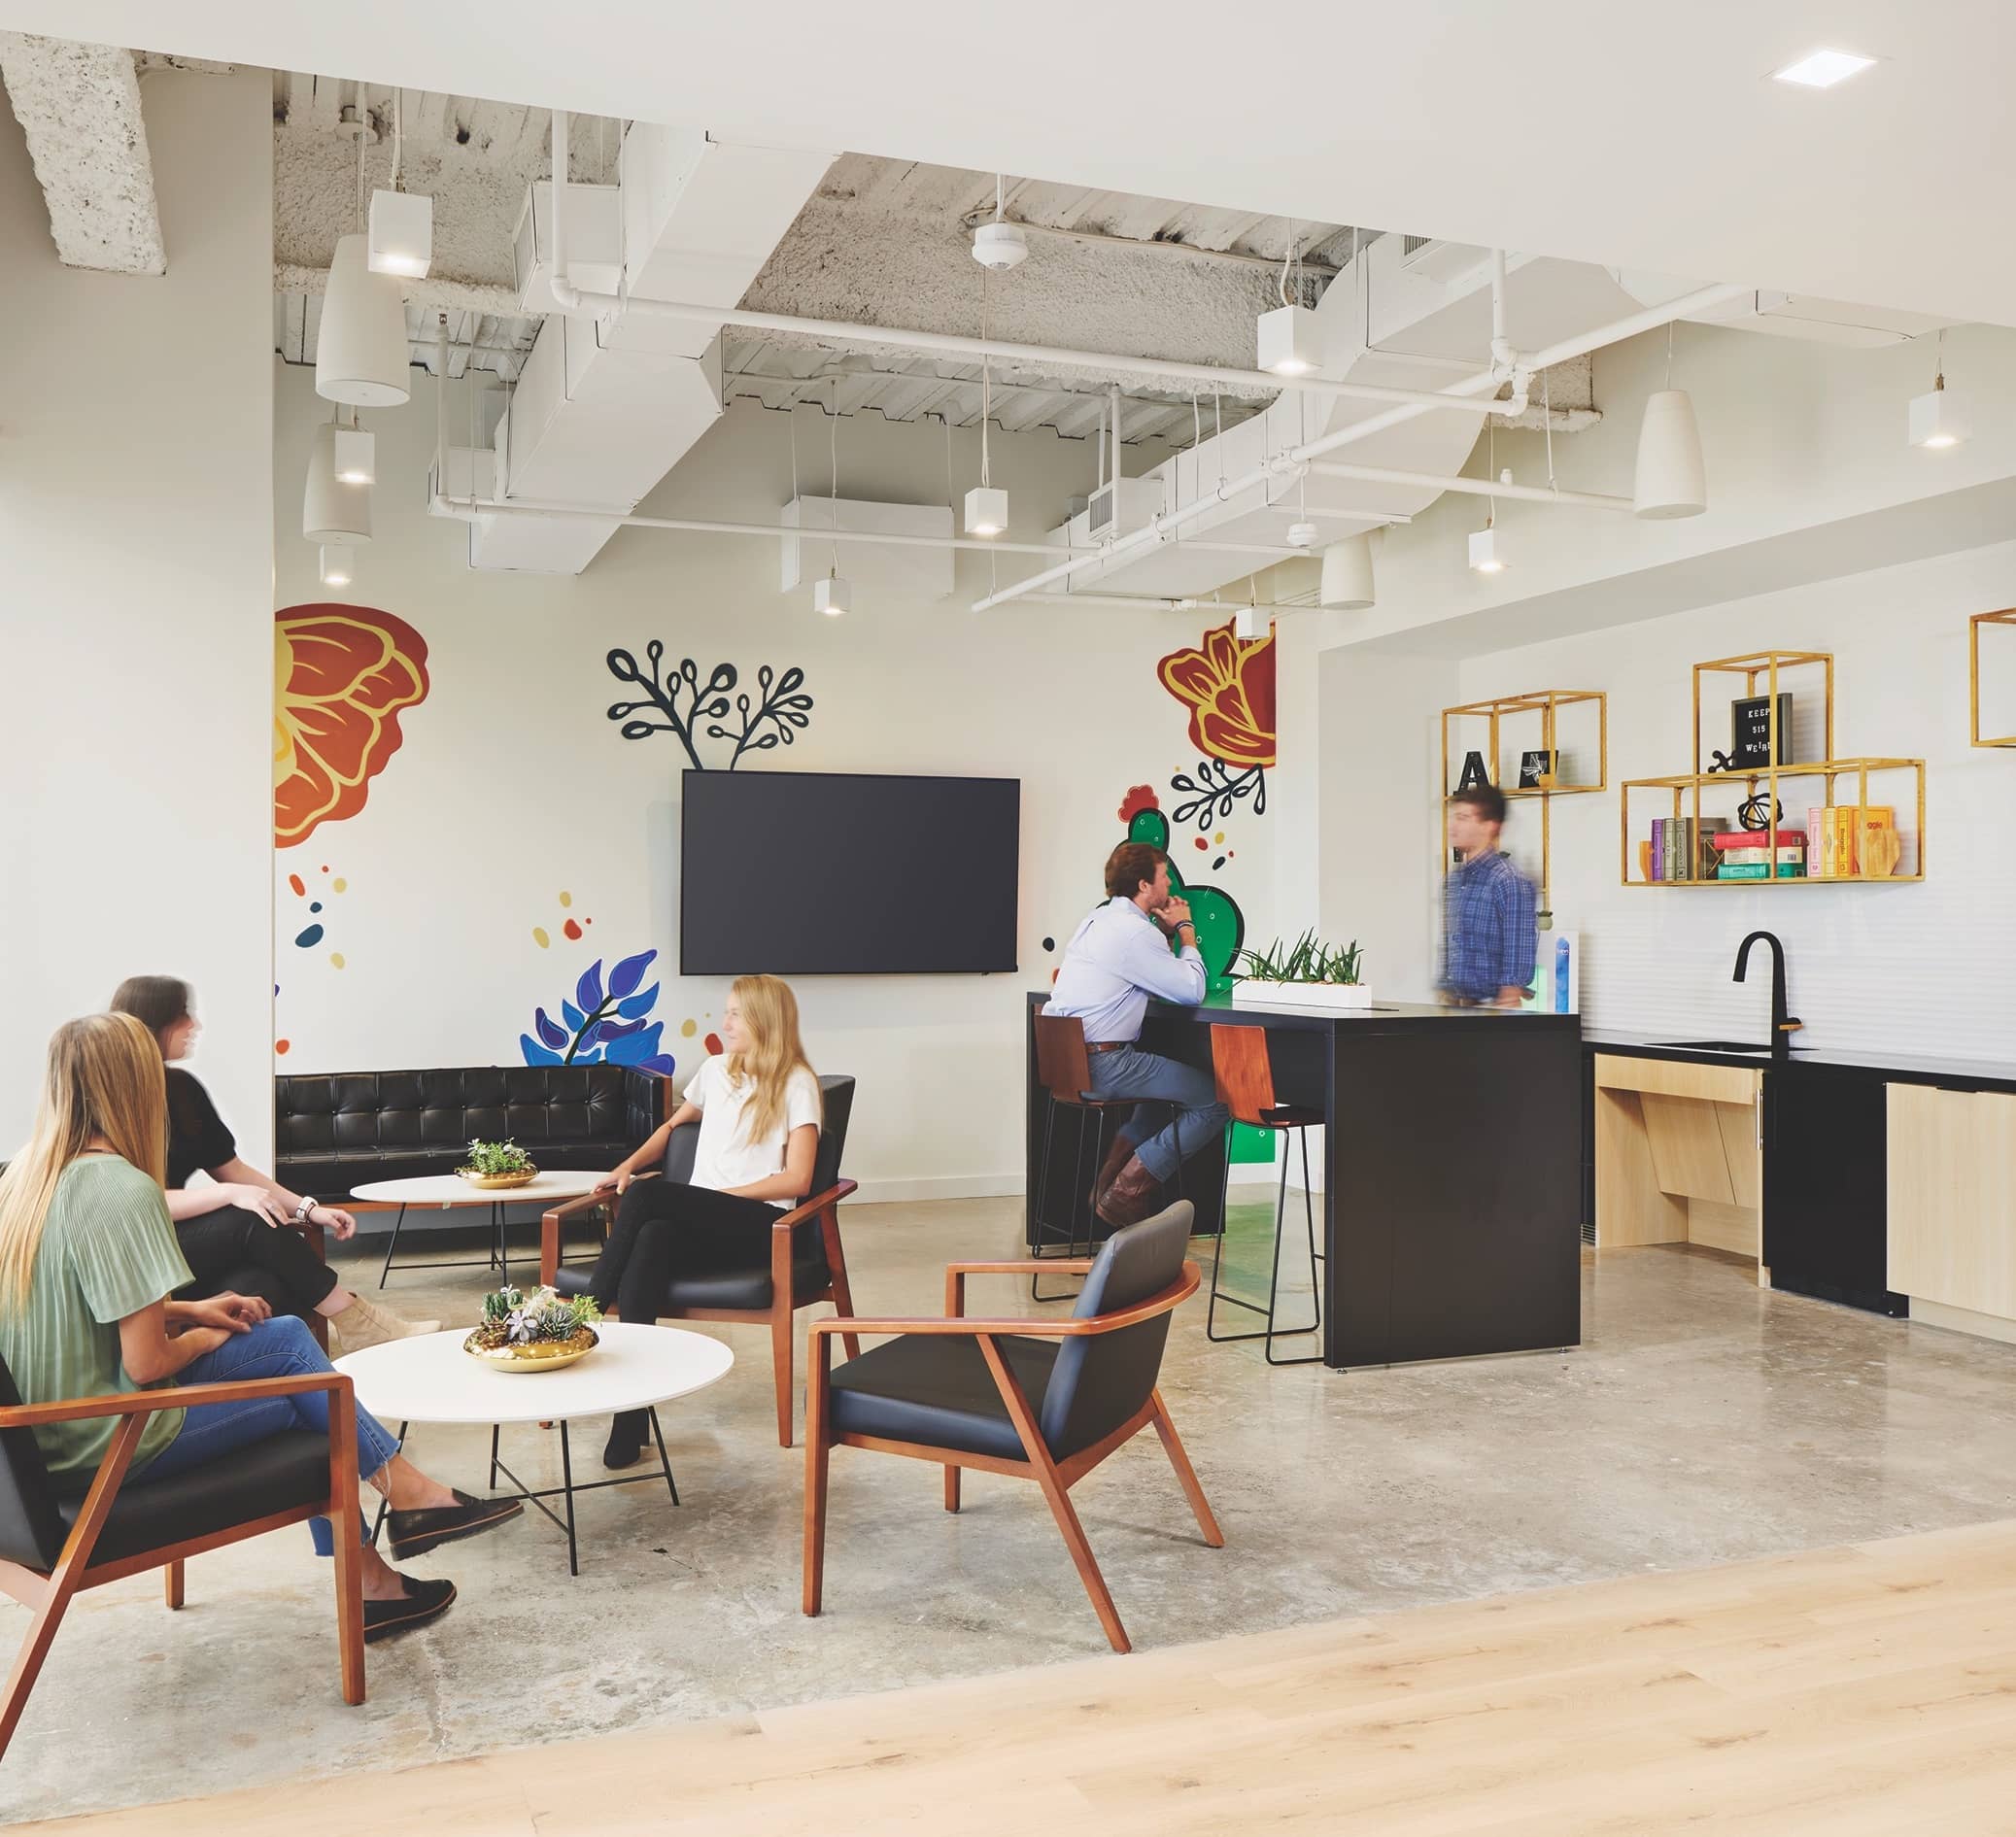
(1409, 245)
(1433, 259)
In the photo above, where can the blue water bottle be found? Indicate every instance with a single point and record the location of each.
(1560, 975)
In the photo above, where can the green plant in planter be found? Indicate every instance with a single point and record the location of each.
(494, 1158)
(1307, 960)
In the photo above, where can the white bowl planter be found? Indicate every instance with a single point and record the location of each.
(1340, 996)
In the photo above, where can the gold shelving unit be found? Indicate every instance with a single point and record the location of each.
(1766, 667)
(2008, 615)
(1547, 704)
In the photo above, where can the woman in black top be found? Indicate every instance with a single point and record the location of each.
(242, 1230)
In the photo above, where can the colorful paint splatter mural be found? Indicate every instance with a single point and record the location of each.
(1228, 685)
(342, 677)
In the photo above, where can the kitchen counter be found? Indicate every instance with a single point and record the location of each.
(1974, 1075)
(1448, 1218)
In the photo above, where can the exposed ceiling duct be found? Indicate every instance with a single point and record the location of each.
(604, 409)
(79, 107)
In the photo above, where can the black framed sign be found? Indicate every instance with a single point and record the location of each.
(1536, 768)
(1750, 729)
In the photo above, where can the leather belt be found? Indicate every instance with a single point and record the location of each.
(1108, 1046)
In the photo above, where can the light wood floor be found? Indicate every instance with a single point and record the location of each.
(1865, 1689)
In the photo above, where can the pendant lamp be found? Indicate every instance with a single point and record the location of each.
(1347, 583)
(1671, 481)
(361, 354)
(333, 510)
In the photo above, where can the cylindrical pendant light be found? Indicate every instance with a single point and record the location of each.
(1346, 585)
(1672, 481)
(361, 353)
(333, 511)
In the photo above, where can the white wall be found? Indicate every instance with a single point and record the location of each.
(136, 615)
(511, 786)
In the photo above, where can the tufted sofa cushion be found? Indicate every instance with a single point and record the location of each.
(336, 1130)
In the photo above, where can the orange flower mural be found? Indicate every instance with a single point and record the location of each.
(341, 677)
(1228, 687)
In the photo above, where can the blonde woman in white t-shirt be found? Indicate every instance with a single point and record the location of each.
(759, 1112)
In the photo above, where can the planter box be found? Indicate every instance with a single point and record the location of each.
(1334, 995)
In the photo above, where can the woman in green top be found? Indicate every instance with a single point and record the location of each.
(88, 1264)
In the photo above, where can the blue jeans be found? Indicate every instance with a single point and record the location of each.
(279, 1348)
(1198, 1119)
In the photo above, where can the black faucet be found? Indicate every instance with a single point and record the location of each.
(1783, 1025)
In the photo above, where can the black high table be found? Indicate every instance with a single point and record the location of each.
(1451, 1211)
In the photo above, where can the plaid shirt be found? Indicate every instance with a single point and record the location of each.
(1487, 929)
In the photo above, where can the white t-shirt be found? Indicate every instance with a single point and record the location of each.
(724, 1157)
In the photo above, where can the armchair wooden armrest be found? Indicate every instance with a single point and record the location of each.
(141, 1403)
(1037, 1326)
(552, 1223)
(815, 1204)
(957, 1273)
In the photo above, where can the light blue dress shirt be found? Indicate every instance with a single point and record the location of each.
(1116, 960)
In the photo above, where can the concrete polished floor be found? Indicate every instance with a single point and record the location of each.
(1701, 1421)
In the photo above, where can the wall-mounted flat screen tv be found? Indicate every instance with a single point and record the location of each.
(846, 873)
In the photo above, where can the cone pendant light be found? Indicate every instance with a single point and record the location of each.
(362, 353)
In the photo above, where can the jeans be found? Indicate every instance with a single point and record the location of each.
(1199, 1116)
(232, 1248)
(279, 1348)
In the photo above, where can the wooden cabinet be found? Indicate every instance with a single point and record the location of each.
(1952, 1206)
(1677, 1151)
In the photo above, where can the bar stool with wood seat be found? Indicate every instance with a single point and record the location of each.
(1245, 1087)
(1064, 1069)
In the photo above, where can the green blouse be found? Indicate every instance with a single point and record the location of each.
(108, 1250)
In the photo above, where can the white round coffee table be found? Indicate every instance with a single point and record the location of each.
(450, 1190)
(431, 1378)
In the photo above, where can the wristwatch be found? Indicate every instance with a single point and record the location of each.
(302, 1211)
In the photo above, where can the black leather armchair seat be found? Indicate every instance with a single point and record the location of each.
(339, 1130)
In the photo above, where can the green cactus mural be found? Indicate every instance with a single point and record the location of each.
(1221, 925)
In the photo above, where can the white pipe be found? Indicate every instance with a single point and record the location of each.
(1501, 346)
(714, 526)
(1475, 487)
(441, 403)
(1201, 376)
(1699, 300)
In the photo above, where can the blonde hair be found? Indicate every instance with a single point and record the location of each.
(104, 1079)
(769, 1016)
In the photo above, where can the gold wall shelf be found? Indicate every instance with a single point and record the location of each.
(1547, 704)
(2008, 615)
(1765, 666)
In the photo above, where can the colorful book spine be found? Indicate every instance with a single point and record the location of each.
(1757, 838)
(1751, 857)
(1759, 870)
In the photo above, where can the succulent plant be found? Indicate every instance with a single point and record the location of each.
(497, 1157)
(1307, 960)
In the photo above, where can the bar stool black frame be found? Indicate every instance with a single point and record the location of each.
(1245, 1087)
(1064, 1069)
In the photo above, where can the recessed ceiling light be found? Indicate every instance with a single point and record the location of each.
(1823, 69)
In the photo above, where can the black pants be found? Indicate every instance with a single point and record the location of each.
(664, 1228)
(235, 1249)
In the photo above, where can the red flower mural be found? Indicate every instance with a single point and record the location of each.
(1228, 687)
(341, 677)
(1139, 797)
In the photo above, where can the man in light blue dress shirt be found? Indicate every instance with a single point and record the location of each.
(1117, 959)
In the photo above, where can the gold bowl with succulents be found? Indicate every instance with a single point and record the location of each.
(496, 1167)
(542, 1332)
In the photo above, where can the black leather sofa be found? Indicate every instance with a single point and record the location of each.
(335, 1130)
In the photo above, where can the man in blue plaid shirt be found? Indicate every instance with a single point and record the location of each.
(1488, 925)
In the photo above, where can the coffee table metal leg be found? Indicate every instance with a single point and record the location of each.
(664, 1459)
(384, 1504)
(493, 1457)
(567, 1486)
(392, 1247)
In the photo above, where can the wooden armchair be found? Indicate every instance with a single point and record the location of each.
(1039, 1399)
(53, 1545)
(801, 1264)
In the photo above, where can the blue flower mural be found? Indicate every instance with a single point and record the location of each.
(603, 1025)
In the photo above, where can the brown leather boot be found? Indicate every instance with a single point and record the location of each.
(1132, 1195)
(1116, 1158)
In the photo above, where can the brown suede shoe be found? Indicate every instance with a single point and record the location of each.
(1130, 1197)
(1116, 1158)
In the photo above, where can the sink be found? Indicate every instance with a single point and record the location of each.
(1723, 1045)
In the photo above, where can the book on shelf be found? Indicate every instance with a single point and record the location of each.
(1750, 857)
(1759, 870)
(1837, 826)
(1757, 838)
(1681, 848)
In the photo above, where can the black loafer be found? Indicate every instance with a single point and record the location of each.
(413, 1533)
(424, 1601)
(624, 1446)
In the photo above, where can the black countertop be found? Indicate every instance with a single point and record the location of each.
(1903, 1068)
(1382, 1017)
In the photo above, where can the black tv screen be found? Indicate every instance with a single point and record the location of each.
(842, 873)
